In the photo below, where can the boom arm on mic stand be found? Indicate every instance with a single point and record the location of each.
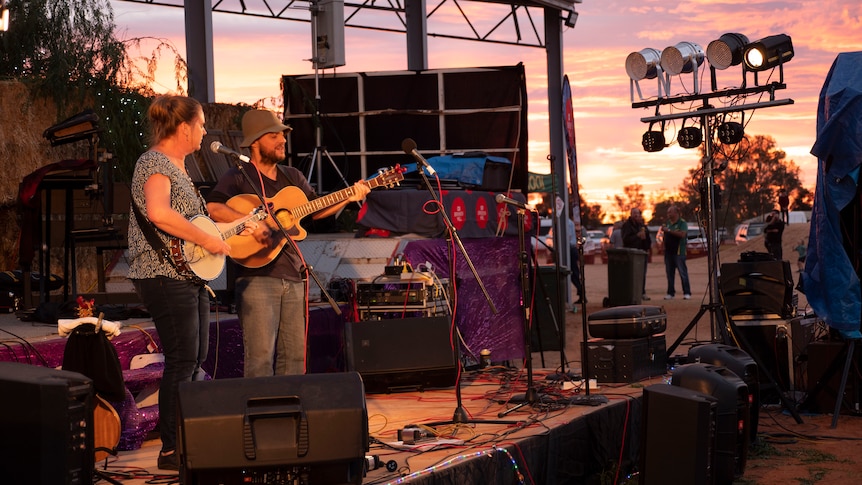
(409, 147)
(217, 147)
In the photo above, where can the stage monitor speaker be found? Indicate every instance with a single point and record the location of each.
(758, 288)
(47, 425)
(686, 454)
(402, 353)
(732, 414)
(274, 430)
(741, 364)
(545, 334)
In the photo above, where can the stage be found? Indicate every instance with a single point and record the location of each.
(549, 441)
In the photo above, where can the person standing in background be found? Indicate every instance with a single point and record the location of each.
(772, 235)
(801, 250)
(573, 231)
(784, 205)
(675, 237)
(636, 236)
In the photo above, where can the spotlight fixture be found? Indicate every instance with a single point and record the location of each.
(726, 51)
(653, 141)
(730, 132)
(643, 64)
(689, 137)
(768, 52)
(682, 57)
(571, 18)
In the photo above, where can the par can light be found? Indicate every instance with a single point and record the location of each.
(726, 51)
(730, 132)
(768, 52)
(682, 57)
(689, 137)
(653, 141)
(643, 64)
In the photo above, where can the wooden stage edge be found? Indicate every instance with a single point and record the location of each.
(549, 441)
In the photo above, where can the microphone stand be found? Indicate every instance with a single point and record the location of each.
(305, 269)
(460, 416)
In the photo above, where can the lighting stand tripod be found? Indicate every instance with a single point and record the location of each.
(720, 323)
(319, 151)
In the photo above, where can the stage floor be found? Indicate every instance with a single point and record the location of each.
(548, 441)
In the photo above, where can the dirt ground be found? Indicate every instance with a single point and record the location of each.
(787, 452)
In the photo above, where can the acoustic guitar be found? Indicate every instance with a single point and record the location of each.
(193, 261)
(106, 429)
(290, 206)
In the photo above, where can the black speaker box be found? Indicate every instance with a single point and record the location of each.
(732, 414)
(47, 425)
(273, 429)
(548, 323)
(401, 353)
(757, 288)
(773, 343)
(825, 366)
(740, 363)
(685, 454)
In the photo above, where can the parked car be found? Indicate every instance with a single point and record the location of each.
(748, 230)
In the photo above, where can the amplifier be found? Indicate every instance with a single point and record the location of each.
(627, 360)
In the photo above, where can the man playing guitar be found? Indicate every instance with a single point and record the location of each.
(271, 300)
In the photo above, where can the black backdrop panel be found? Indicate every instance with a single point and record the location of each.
(364, 117)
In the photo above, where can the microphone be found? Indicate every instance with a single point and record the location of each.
(217, 147)
(502, 199)
(409, 147)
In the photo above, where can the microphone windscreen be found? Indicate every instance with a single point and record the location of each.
(408, 145)
(214, 146)
(500, 198)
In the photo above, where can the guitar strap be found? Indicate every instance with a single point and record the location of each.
(164, 253)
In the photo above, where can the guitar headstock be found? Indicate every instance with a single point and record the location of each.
(388, 177)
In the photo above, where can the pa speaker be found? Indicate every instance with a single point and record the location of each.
(741, 364)
(402, 353)
(686, 454)
(757, 288)
(273, 430)
(329, 24)
(732, 414)
(47, 425)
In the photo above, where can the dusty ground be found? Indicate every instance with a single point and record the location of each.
(787, 452)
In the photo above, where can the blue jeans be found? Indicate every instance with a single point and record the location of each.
(181, 311)
(272, 314)
(673, 263)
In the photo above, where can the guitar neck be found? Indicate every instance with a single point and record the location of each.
(237, 228)
(323, 202)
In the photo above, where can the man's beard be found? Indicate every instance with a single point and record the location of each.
(271, 156)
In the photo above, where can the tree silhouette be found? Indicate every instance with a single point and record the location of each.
(749, 176)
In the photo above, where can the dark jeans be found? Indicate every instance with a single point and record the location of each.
(180, 310)
(672, 264)
(774, 248)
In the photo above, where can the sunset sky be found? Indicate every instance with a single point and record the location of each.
(251, 55)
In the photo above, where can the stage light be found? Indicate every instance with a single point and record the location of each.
(768, 52)
(572, 18)
(682, 57)
(726, 51)
(689, 137)
(643, 64)
(653, 141)
(730, 132)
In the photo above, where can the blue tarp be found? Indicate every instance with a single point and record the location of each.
(467, 169)
(830, 283)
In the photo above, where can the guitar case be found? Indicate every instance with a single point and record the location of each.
(627, 322)
(90, 353)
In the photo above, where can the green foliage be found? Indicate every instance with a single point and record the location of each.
(67, 51)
